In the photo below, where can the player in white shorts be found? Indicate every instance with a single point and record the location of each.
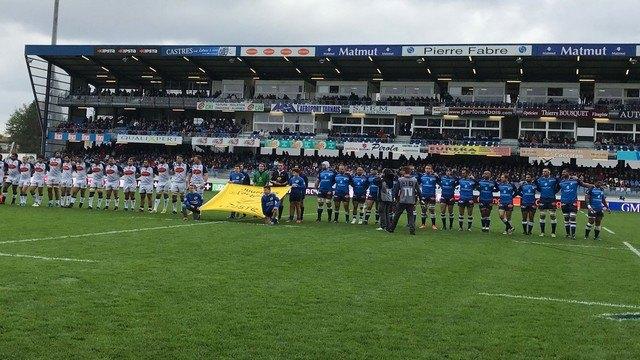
(198, 175)
(96, 171)
(80, 184)
(145, 186)
(129, 173)
(112, 184)
(13, 177)
(53, 180)
(180, 170)
(37, 180)
(66, 181)
(163, 186)
(26, 169)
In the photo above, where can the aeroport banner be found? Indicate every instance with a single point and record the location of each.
(386, 110)
(198, 51)
(229, 106)
(306, 108)
(628, 155)
(358, 50)
(278, 51)
(464, 111)
(406, 149)
(565, 153)
(466, 50)
(149, 139)
(602, 50)
(563, 114)
(78, 137)
(224, 142)
(299, 144)
(469, 150)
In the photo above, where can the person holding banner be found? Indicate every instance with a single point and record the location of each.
(236, 177)
(261, 176)
(596, 204)
(279, 178)
(296, 196)
(192, 203)
(270, 206)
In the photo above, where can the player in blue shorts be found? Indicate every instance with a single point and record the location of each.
(527, 192)
(486, 186)
(466, 185)
(596, 204)
(548, 187)
(296, 195)
(448, 184)
(507, 193)
(270, 206)
(568, 197)
(324, 189)
(428, 182)
(372, 196)
(341, 193)
(360, 184)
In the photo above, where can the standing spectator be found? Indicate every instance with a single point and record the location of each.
(406, 192)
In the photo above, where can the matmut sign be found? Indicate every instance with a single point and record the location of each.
(278, 51)
(466, 50)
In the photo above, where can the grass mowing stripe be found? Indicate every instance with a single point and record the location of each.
(574, 245)
(635, 251)
(570, 301)
(46, 258)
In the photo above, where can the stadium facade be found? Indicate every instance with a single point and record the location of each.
(380, 100)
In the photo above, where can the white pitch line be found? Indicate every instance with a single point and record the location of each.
(635, 251)
(47, 258)
(570, 301)
(573, 245)
(108, 232)
(604, 227)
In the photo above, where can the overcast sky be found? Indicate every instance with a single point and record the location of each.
(276, 22)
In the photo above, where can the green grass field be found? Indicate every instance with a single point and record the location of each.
(218, 289)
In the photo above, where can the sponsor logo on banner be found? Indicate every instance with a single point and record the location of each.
(463, 111)
(299, 144)
(575, 114)
(78, 137)
(565, 153)
(199, 51)
(630, 114)
(243, 199)
(466, 50)
(584, 50)
(469, 150)
(270, 51)
(628, 155)
(126, 50)
(224, 142)
(229, 106)
(386, 110)
(408, 149)
(624, 206)
(359, 50)
(306, 108)
(149, 139)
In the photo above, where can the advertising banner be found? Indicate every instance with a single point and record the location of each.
(198, 51)
(299, 144)
(229, 106)
(469, 150)
(563, 114)
(464, 111)
(149, 139)
(565, 153)
(242, 199)
(627, 50)
(624, 206)
(126, 50)
(466, 50)
(386, 110)
(306, 108)
(78, 137)
(406, 149)
(358, 50)
(278, 51)
(628, 155)
(629, 115)
(224, 142)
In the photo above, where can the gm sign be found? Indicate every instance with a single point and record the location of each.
(624, 206)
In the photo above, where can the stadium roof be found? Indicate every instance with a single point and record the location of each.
(133, 65)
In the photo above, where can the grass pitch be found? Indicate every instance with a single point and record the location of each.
(239, 289)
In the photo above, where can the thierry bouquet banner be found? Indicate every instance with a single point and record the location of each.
(242, 199)
(565, 153)
(469, 150)
(224, 142)
(299, 144)
(407, 149)
(229, 106)
(149, 139)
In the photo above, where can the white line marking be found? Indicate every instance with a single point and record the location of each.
(109, 232)
(610, 316)
(570, 301)
(574, 245)
(604, 227)
(46, 258)
(635, 251)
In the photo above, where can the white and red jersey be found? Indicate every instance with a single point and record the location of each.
(67, 171)
(97, 173)
(55, 167)
(81, 171)
(129, 175)
(13, 167)
(146, 176)
(2, 165)
(163, 173)
(112, 173)
(25, 172)
(180, 172)
(197, 173)
(39, 171)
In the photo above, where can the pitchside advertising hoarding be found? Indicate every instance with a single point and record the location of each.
(626, 50)
(469, 150)
(229, 106)
(306, 108)
(198, 51)
(465, 111)
(278, 51)
(358, 50)
(563, 114)
(298, 144)
(628, 155)
(149, 139)
(386, 110)
(406, 149)
(466, 50)
(79, 137)
(565, 153)
(126, 50)
(624, 206)
(224, 142)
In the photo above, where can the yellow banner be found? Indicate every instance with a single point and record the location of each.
(242, 199)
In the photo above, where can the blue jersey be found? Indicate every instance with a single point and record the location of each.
(326, 179)
(548, 187)
(236, 177)
(342, 184)
(269, 202)
(569, 190)
(596, 198)
(360, 185)
(448, 186)
(298, 186)
(193, 199)
(466, 188)
(486, 188)
(373, 187)
(527, 193)
(507, 193)
(428, 185)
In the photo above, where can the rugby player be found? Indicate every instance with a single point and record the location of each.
(12, 181)
(360, 184)
(36, 187)
(96, 171)
(270, 206)
(467, 185)
(568, 197)
(179, 169)
(145, 185)
(324, 189)
(112, 172)
(596, 204)
(428, 182)
(527, 192)
(199, 175)
(66, 181)
(372, 197)
(163, 186)
(129, 173)
(486, 186)
(296, 195)
(448, 184)
(191, 203)
(507, 193)
(80, 185)
(53, 180)
(548, 187)
(26, 170)
(341, 194)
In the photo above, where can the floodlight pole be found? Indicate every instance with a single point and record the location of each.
(47, 97)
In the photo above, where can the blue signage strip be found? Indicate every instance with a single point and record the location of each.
(59, 50)
(628, 155)
(624, 206)
(601, 50)
(359, 50)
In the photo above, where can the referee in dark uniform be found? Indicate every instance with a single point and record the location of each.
(280, 177)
